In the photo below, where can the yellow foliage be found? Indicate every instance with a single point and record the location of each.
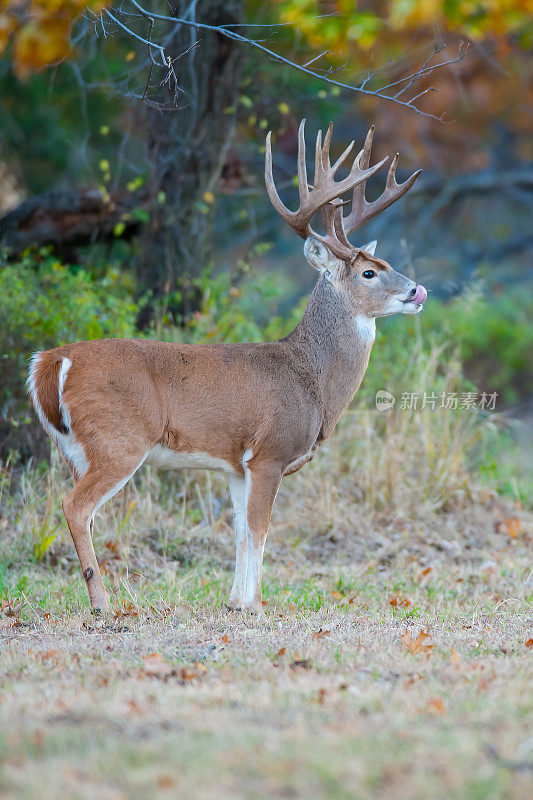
(336, 24)
(40, 31)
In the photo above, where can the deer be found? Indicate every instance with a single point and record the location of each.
(255, 411)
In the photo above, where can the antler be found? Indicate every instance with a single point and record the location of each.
(361, 210)
(323, 194)
(326, 192)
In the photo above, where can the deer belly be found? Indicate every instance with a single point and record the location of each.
(165, 458)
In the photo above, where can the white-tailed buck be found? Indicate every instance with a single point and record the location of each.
(255, 411)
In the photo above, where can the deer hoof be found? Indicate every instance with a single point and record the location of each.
(234, 604)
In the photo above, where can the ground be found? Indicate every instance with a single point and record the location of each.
(394, 658)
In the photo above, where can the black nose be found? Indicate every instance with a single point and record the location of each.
(413, 291)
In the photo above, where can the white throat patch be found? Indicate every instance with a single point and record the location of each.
(366, 327)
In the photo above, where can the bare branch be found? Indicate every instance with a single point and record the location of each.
(400, 97)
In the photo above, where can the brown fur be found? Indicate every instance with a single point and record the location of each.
(278, 399)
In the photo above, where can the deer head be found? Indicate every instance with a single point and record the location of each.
(372, 285)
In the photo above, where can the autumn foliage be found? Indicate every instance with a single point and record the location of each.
(40, 31)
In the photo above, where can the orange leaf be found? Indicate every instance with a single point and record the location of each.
(436, 705)
(399, 602)
(226, 639)
(529, 644)
(511, 526)
(155, 666)
(191, 673)
(417, 645)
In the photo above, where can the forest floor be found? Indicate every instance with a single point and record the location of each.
(394, 663)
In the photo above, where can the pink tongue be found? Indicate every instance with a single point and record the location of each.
(420, 295)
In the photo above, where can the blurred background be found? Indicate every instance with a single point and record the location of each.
(133, 199)
(394, 658)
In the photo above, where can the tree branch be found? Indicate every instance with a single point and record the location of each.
(399, 98)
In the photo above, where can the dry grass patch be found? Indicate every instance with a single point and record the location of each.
(334, 693)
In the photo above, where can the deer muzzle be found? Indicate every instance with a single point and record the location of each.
(419, 296)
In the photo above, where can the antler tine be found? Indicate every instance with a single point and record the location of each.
(275, 199)
(367, 147)
(319, 153)
(361, 210)
(302, 168)
(327, 143)
(335, 237)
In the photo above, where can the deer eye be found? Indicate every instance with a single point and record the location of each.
(369, 273)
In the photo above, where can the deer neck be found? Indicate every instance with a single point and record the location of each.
(335, 340)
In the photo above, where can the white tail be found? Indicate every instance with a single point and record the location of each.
(255, 411)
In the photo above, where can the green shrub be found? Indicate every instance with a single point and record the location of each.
(494, 337)
(245, 312)
(489, 336)
(43, 304)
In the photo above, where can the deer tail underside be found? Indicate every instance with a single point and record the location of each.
(46, 380)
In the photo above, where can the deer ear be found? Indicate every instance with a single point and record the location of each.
(370, 248)
(319, 256)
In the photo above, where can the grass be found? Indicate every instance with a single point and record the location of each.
(333, 693)
(321, 698)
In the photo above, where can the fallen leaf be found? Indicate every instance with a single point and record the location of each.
(155, 666)
(321, 696)
(511, 526)
(11, 609)
(320, 633)
(399, 602)
(417, 645)
(133, 706)
(193, 672)
(129, 610)
(226, 638)
(337, 595)
(280, 652)
(435, 705)
(426, 571)
(529, 644)
(454, 655)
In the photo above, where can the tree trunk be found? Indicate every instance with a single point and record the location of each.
(187, 147)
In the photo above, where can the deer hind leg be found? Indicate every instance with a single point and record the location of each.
(261, 486)
(79, 507)
(74, 476)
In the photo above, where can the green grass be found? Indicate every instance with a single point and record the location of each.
(362, 717)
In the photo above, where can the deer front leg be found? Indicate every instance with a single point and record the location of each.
(261, 486)
(238, 498)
